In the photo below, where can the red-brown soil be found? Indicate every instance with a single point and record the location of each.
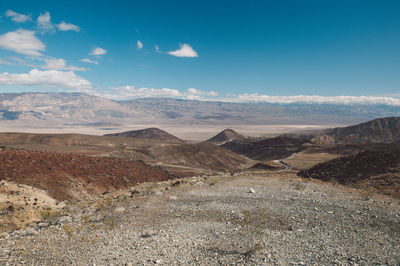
(267, 149)
(204, 157)
(72, 177)
(377, 169)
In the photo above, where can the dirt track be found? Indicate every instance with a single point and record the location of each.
(219, 220)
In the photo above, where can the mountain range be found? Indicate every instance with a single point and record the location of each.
(79, 109)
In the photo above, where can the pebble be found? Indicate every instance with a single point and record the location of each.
(212, 227)
(64, 219)
(119, 209)
(149, 233)
(42, 225)
(4, 234)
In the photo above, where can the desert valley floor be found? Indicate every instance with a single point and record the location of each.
(146, 197)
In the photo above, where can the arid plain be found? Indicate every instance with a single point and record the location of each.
(231, 198)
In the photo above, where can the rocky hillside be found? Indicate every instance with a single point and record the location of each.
(178, 158)
(225, 136)
(74, 177)
(375, 169)
(381, 130)
(267, 149)
(148, 133)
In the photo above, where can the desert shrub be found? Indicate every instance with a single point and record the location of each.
(299, 186)
(49, 215)
(68, 229)
(85, 218)
(110, 221)
(253, 250)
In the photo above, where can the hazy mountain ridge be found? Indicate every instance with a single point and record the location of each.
(68, 108)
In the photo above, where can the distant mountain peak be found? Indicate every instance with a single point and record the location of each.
(148, 133)
(225, 136)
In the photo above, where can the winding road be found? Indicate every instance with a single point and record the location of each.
(285, 165)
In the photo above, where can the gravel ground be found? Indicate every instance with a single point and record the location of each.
(248, 219)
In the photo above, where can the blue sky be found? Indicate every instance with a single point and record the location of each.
(246, 50)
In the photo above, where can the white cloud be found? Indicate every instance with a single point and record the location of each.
(131, 92)
(4, 62)
(23, 42)
(48, 78)
(255, 97)
(157, 49)
(90, 61)
(193, 94)
(98, 51)
(185, 50)
(63, 26)
(17, 17)
(139, 45)
(44, 22)
(60, 64)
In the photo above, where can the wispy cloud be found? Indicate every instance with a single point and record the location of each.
(17, 17)
(47, 78)
(139, 45)
(44, 22)
(131, 92)
(157, 49)
(392, 95)
(63, 26)
(98, 51)
(21, 61)
(193, 93)
(60, 64)
(344, 99)
(23, 42)
(4, 62)
(90, 61)
(185, 50)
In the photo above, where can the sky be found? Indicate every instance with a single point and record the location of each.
(275, 51)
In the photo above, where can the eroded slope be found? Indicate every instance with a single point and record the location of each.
(74, 177)
(372, 169)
